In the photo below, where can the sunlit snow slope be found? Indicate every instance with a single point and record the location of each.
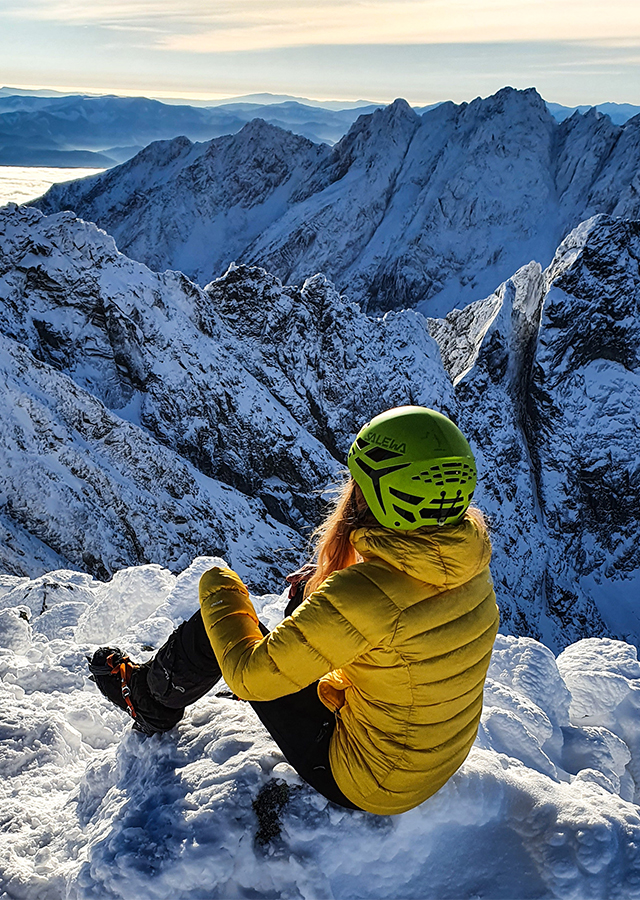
(542, 808)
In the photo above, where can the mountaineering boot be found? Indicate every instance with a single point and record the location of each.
(124, 683)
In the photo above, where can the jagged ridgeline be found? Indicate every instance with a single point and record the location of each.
(148, 420)
(406, 210)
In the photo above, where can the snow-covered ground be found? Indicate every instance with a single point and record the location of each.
(19, 184)
(542, 808)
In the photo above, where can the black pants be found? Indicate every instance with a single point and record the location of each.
(185, 669)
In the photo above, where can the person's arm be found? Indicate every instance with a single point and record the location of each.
(315, 640)
(298, 581)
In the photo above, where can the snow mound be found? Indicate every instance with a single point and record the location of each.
(545, 805)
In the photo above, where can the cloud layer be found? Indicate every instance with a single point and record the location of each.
(249, 25)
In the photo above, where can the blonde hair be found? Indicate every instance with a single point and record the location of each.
(333, 547)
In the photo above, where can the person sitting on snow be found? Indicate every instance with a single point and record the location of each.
(372, 685)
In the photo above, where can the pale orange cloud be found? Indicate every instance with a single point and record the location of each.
(203, 26)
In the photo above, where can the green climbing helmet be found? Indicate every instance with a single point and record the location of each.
(414, 467)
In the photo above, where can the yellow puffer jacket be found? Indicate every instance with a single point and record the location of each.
(401, 643)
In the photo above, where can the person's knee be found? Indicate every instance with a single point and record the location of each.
(175, 678)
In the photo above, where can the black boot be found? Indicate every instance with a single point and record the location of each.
(125, 684)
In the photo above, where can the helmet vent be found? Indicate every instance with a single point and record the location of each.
(406, 498)
(408, 516)
(447, 473)
(376, 474)
(380, 454)
(445, 508)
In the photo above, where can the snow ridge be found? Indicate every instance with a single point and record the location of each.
(405, 210)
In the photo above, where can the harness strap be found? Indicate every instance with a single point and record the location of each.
(124, 670)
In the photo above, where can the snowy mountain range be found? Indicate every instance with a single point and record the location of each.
(151, 428)
(147, 419)
(428, 211)
(53, 128)
(100, 131)
(619, 113)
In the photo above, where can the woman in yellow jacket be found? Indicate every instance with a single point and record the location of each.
(372, 686)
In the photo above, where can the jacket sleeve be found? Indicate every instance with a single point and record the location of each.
(315, 640)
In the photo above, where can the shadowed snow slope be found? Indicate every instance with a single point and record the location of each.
(148, 420)
(406, 210)
(544, 806)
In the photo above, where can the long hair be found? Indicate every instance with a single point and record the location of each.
(331, 539)
(333, 549)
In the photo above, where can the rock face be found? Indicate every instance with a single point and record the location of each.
(247, 384)
(144, 414)
(428, 211)
(546, 374)
(585, 403)
(81, 486)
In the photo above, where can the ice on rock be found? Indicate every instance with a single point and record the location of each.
(542, 807)
(61, 621)
(526, 704)
(604, 679)
(9, 582)
(15, 631)
(598, 755)
(139, 589)
(55, 601)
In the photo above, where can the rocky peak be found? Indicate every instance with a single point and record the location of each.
(161, 153)
(377, 139)
(258, 133)
(511, 102)
(393, 124)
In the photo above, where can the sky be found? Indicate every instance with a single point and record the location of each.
(573, 51)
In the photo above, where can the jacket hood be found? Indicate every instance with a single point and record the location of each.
(446, 557)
